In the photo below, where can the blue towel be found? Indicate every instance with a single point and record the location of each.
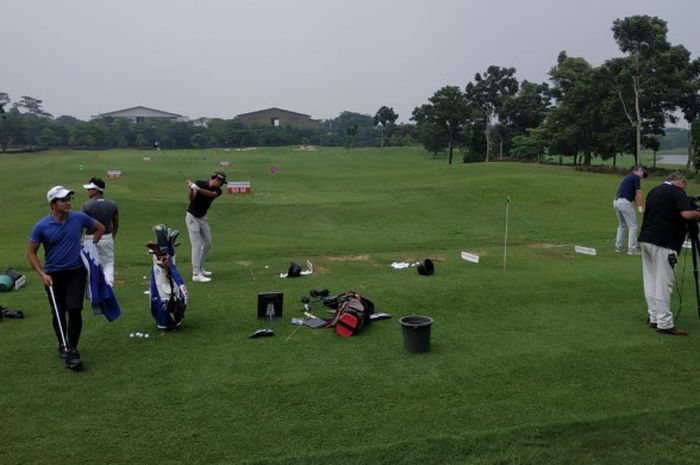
(100, 294)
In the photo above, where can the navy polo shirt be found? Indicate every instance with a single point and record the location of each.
(628, 187)
(61, 241)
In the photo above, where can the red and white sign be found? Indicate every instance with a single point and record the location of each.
(114, 174)
(223, 163)
(238, 187)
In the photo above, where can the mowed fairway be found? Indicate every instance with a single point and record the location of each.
(547, 362)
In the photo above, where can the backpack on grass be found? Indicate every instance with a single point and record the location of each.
(352, 313)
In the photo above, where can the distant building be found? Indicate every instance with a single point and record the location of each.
(202, 122)
(137, 114)
(275, 117)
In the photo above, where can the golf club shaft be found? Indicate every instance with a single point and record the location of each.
(296, 330)
(58, 316)
(170, 160)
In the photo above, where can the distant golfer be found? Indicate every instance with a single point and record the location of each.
(106, 212)
(60, 232)
(202, 194)
(629, 193)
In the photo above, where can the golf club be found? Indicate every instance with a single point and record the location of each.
(296, 330)
(58, 318)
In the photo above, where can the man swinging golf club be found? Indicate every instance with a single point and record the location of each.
(201, 195)
(63, 274)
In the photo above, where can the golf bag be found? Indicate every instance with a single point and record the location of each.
(352, 313)
(168, 290)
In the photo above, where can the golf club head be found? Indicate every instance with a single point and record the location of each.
(172, 237)
(161, 231)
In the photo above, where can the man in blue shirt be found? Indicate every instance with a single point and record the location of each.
(60, 232)
(629, 193)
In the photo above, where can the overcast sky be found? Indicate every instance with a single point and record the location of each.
(219, 58)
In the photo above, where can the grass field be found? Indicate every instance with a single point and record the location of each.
(546, 362)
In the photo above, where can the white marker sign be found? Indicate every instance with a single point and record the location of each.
(470, 257)
(585, 250)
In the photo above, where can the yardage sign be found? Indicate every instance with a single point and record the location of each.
(114, 174)
(238, 187)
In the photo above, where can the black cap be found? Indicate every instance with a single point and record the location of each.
(219, 175)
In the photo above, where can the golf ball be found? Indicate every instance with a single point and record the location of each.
(131, 335)
(266, 267)
(144, 277)
(145, 335)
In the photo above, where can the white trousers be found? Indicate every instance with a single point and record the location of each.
(626, 220)
(105, 254)
(659, 276)
(200, 238)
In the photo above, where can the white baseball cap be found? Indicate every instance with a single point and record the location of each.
(92, 185)
(58, 192)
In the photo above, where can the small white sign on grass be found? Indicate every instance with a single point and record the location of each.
(470, 257)
(585, 250)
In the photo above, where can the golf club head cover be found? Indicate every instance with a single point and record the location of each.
(13, 314)
(264, 332)
(294, 270)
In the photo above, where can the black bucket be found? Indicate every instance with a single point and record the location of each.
(416, 333)
(426, 267)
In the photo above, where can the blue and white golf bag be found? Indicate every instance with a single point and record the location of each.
(168, 290)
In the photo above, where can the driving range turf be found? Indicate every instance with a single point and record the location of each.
(549, 361)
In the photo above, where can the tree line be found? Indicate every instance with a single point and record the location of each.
(24, 124)
(621, 106)
(585, 111)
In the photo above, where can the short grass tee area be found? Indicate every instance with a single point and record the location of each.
(549, 361)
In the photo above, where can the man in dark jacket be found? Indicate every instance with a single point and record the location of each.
(664, 227)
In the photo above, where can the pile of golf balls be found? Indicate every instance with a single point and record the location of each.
(142, 335)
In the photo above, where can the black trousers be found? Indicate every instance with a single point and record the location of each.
(69, 290)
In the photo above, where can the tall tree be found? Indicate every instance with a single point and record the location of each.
(650, 77)
(487, 94)
(385, 118)
(430, 134)
(4, 100)
(695, 143)
(32, 106)
(448, 111)
(525, 110)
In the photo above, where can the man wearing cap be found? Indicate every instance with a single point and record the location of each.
(63, 272)
(664, 226)
(628, 193)
(202, 194)
(106, 212)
